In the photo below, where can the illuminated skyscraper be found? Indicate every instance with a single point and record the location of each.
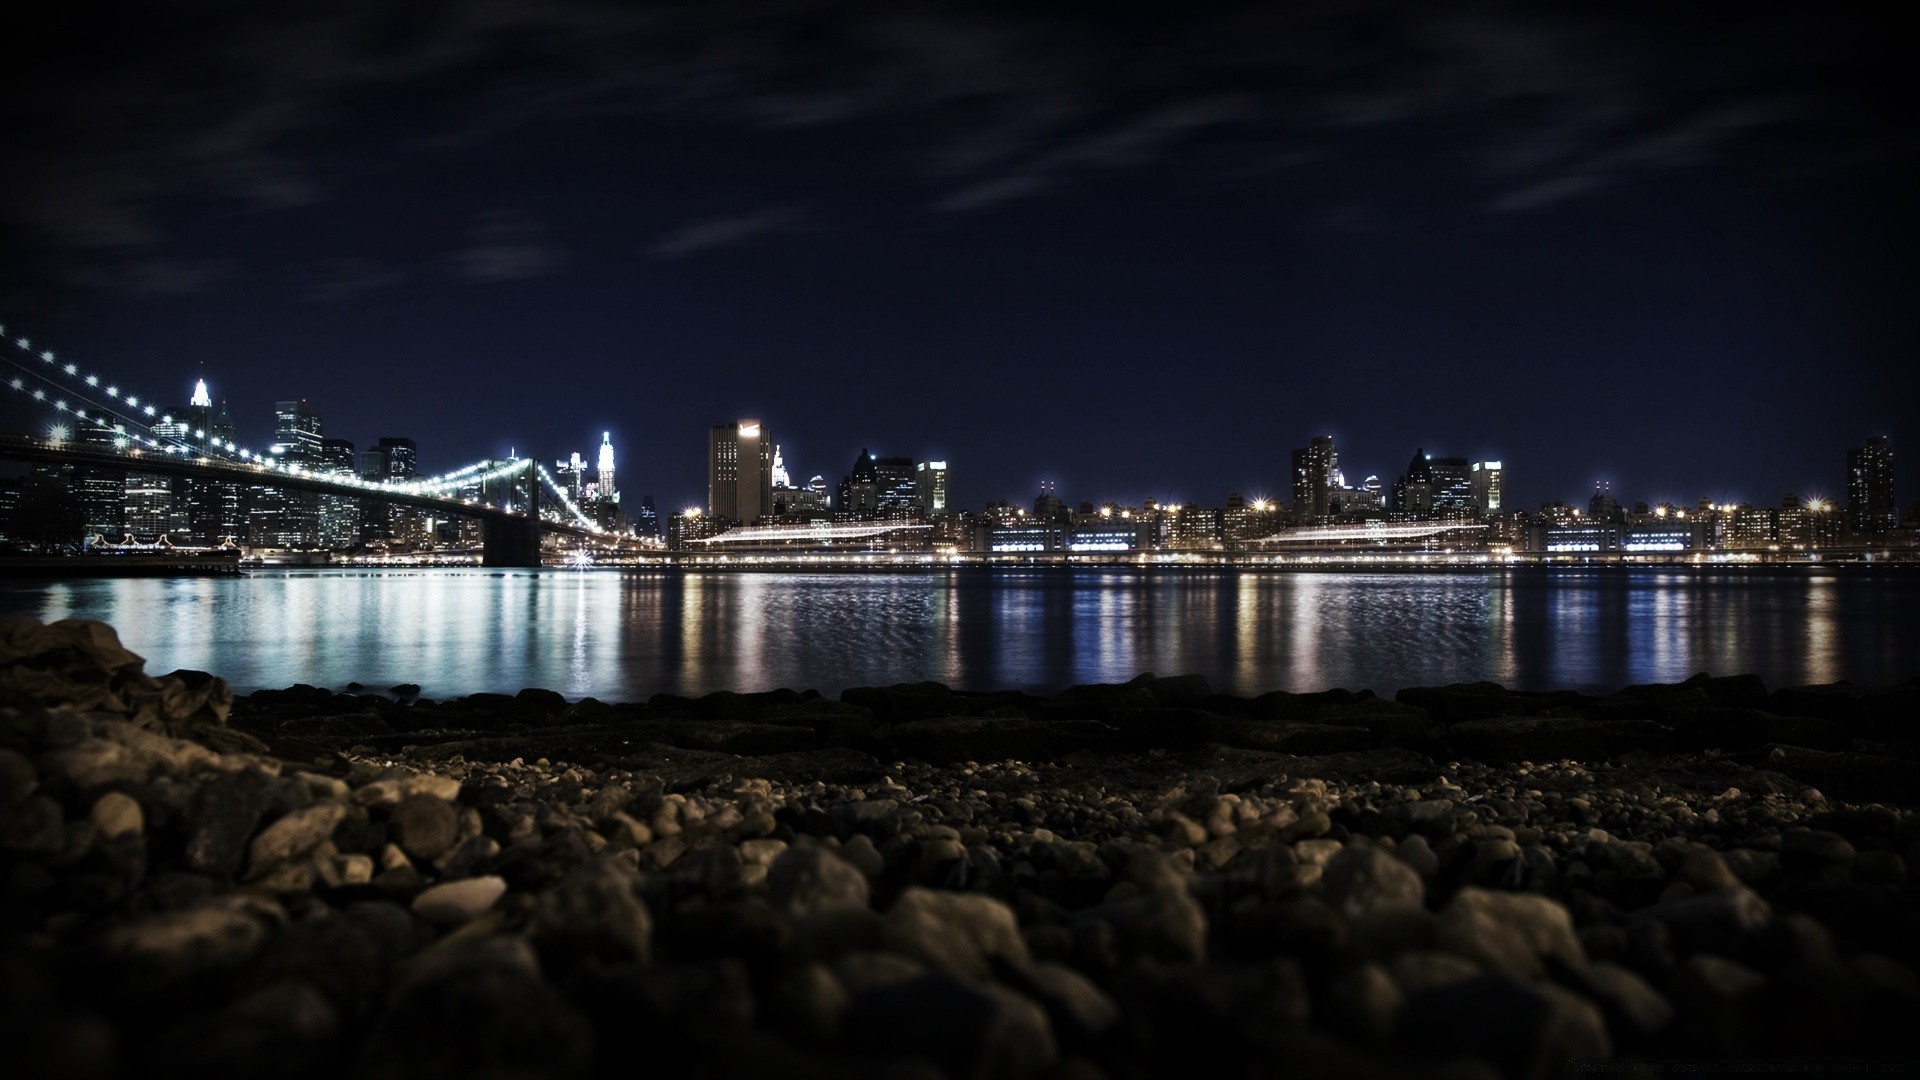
(1489, 486)
(739, 472)
(780, 477)
(1313, 467)
(1870, 495)
(930, 484)
(608, 493)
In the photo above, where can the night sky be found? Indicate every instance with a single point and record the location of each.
(1147, 254)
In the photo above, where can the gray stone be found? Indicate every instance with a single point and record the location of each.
(1515, 933)
(967, 1031)
(425, 827)
(964, 933)
(593, 914)
(457, 902)
(221, 817)
(1711, 922)
(116, 815)
(1362, 878)
(293, 836)
(804, 879)
(1526, 1030)
(1633, 1007)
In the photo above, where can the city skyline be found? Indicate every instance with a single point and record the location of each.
(1591, 241)
(1839, 490)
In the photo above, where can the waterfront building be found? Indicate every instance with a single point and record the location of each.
(1195, 527)
(930, 487)
(1242, 521)
(1603, 506)
(1591, 537)
(739, 472)
(1027, 537)
(689, 525)
(1751, 528)
(1870, 491)
(1808, 524)
(1488, 483)
(1313, 467)
(1048, 506)
(646, 520)
(150, 514)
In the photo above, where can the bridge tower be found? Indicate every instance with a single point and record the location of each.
(514, 541)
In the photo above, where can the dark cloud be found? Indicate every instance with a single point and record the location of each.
(332, 280)
(723, 232)
(507, 246)
(235, 107)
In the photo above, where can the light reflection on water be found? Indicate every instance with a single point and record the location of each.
(625, 636)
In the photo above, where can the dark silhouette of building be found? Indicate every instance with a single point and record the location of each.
(1313, 468)
(1870, 494)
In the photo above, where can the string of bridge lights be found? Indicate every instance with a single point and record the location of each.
(77, 403)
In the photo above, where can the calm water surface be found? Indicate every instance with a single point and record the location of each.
(623, 636)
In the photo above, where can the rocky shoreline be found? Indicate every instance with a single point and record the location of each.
(909, 881)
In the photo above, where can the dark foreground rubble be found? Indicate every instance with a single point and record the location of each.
(913, 882)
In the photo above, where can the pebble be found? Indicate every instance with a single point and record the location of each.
(116, 816)
(457, 902)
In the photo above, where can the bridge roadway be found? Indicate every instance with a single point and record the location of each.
(508, 538)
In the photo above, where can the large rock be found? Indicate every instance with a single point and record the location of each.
(1520, 934)
(592, 915)
(805, 879)
(293, 836)
(1527, 1031)
(965, 1030)
(478, 1008)
(1363, 878)
(964, 933)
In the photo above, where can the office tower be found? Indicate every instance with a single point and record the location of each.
(339, 514)
(573, 475)
(930, 486)
(296, 433)
(370, 465)
(150, 513)
(739, 472)
(603, 473)
(646, 520)
(281, 517)
(401, 455)
(1489, 486)
(780, 477)
(1313, 467)
(100, 492)
(1452, 483)
(1870, 495)
(212, 508)
(1414, 492)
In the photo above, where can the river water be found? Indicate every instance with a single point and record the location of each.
(621, 636)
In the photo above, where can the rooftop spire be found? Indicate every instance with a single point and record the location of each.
(201, 399)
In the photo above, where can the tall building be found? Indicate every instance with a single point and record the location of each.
(212, 508)
(1313, 467)
(780, 477)
(101, 493)
(604, 472)
(1870, 495)
(739, 472)
(1452, 484)
(1416, 490)
(930, 486)
(339, 514)
(282, 517)
(1489, 481)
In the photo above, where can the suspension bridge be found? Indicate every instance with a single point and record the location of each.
(130, 432)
